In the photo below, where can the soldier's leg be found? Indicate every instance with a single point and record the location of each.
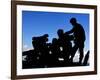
(81, 51)
(73, 51)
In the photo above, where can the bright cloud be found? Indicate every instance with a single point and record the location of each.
(26, 48)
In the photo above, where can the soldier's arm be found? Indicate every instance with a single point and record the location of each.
(69, 32)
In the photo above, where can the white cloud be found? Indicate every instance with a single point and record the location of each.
(26, 48)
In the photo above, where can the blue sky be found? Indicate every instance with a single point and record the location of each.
(39, 23)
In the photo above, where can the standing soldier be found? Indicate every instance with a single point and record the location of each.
(79, 38)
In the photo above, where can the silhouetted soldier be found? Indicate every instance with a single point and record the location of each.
(55, 52)
(79, 35)
(65, 44)
(44, 50)
(35, 43)
(40, 47)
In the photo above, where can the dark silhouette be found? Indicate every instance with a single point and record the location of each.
(85, 62)
(59, 52)
(54, 52)
(31, 59)
(79, 38)
(40, 46)
(64, 42)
